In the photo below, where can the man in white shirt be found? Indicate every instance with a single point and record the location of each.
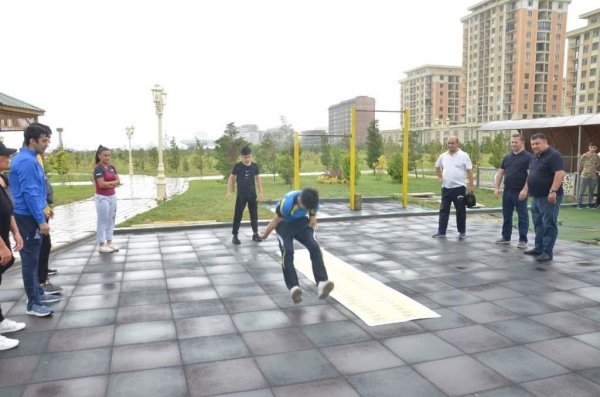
(451, 167)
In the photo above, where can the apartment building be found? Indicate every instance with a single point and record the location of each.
(432, 93)
(582, 94)
(513, 57)
(339, 117)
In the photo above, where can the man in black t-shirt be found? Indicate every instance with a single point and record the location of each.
(544, 185)
(513, 170)
(247, 174)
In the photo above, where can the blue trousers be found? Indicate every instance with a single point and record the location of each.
(510, 201)
(30, 256)
(300, 230)
(454, 196)
(545, 223)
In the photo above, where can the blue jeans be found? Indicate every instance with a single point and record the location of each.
(30, 256)
(454, 196)
(545, 216)
(300, 230)
(510, 201)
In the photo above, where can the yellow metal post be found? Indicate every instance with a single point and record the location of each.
(352, 157)
(296, 161)
(405, 159)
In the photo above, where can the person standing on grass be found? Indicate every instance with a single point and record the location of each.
(247, 174)
(513, 170)
(291, 222)
(28, 187)
(589, 165)
(106, 180)
(450, 168)
(7, 225)
(544, 185)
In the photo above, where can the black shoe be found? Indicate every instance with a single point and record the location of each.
(236, 240)
(256, 238)
(532, 252)
(544, 258)
(52, 271)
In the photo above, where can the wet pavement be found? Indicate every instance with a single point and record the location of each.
(186, 313)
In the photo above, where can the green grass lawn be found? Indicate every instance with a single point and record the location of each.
(578, 225)
(69, 194)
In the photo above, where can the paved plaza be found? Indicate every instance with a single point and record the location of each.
(186, 313)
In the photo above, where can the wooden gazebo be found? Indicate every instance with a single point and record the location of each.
(16, 115)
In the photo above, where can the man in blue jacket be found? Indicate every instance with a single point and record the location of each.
(291, 223)
(28, 187)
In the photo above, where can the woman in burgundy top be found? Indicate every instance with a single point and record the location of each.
(106, 179)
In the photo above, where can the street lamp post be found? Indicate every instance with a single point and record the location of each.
(129, 132)
(160, 97)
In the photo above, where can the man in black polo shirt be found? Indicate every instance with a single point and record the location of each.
(544, 185)
(514, 171)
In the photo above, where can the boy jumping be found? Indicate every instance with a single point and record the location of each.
(291, 223)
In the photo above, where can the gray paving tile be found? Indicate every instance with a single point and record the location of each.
(474, 339)
(222, 377)
(81, 338)
(96, 289)
(134, 314)
(17, 370)
(526, 305)
(510, 391)
(305, 315)
(564, 385)
(567, 322)
(72, 364)
(86, 318)
(239, 290)
(449, 319)
(460, 375)
(249, 303)
(261, 320)
(335, 387)
(192, 294)
(335, 333)
(145, 356)
(277, 341)
(452, 297)
(197, 308)
(491, 292)
(569, 353)
(151, 331)
(529, 287)
(387, 383)
(307, 365)
(520, 364)
(187, 282)
(592, 339)
(212, 348)
(143, 298)
(148, 383)
(485, 312)
(89, 302)
(422, 347)
(204, 326)
(565, 300)
(524, 330)
(143, 285)
(12, 391)
(361, 357)
(30, 343)
(94, 386)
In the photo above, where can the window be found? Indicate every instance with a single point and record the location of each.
(592, 84)
(581, 98)
(583, 74)
(590, 97)
(592, 72)
(586, 48)
(526, 86)
(594, 59)
(582, 86)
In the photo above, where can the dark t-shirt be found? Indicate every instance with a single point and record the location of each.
(245, 177)
(6, 211)
(542, 168)
(515, 168)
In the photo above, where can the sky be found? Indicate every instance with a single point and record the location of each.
(91, 64)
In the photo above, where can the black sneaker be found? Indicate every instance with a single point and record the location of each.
(256, 238)
(236, 240)
(52, 271)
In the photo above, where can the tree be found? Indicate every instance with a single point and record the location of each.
(285, 167)
(325, 152)
(499, 148)
(395, 167)
(434, 149)
(174, 155)
(374, 144)
(381, 165)
(267, 154)
(199, 157)
(415, 153)
(470, 147)
(228, 148)
(61, 162)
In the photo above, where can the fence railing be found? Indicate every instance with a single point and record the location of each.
(487, 178)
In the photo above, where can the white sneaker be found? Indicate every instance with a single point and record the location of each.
(296, 294)
(7, 326)
(105, 249)
(113, 247)
(325, 287)
(6, 343)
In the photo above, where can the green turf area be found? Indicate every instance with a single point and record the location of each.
(68, 194)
